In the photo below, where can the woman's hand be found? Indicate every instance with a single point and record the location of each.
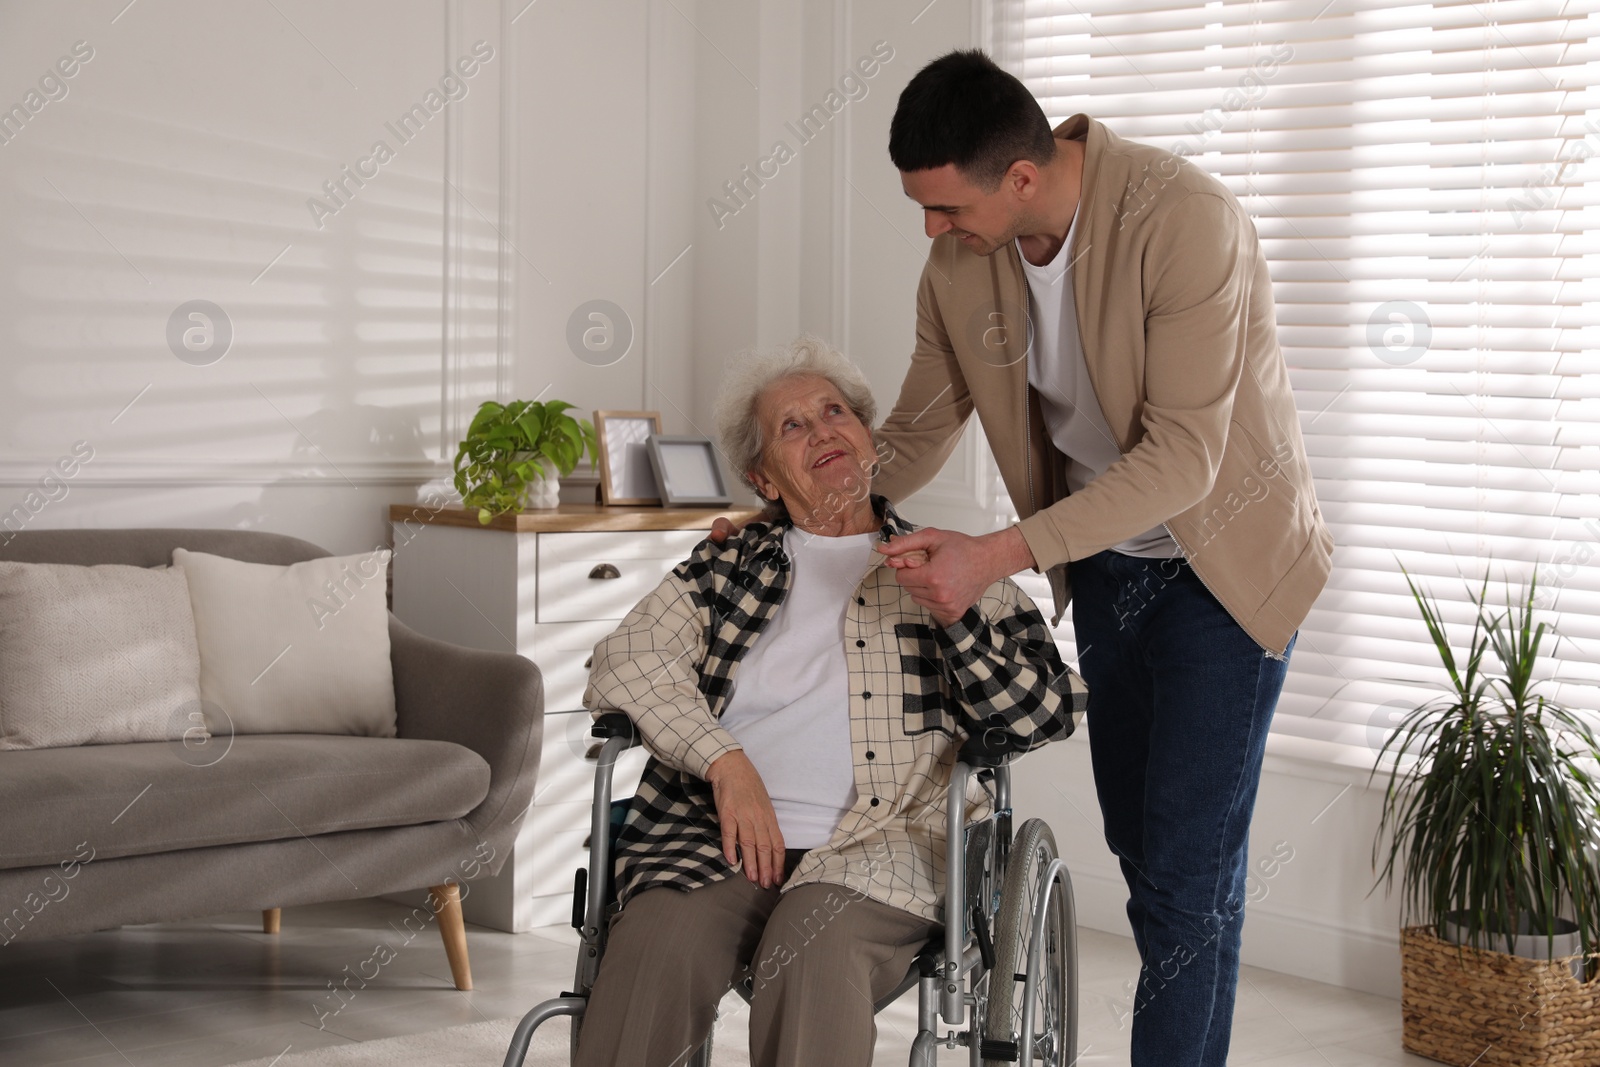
(749, 825)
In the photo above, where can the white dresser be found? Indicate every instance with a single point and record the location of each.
(548, 585)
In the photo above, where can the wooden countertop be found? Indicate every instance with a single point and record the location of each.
(570, 518)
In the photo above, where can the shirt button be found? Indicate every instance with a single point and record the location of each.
(861, 600)
(867, 695)
(871, 754)
(861, 644)
(874, 801)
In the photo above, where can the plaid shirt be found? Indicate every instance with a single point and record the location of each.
(916, 690)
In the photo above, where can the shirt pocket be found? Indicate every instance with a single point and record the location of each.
(925, 694)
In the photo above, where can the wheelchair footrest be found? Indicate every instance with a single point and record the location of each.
(998, 1050)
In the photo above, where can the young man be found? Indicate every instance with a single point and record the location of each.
(1105, 308)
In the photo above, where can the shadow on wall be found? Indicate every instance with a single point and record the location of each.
(388, 433)
(162, 315)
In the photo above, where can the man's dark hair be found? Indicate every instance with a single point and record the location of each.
(963, 109)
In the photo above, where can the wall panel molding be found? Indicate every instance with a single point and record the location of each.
(506, 287)
(460, 215)
(843, 18)
(644, 338)
(103, 471)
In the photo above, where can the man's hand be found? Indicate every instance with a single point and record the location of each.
(722, 529)
(946, 572)
(749, 825)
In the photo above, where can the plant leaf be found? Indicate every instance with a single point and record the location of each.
(1495, 817)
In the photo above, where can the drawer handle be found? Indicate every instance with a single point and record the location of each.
(604, 570)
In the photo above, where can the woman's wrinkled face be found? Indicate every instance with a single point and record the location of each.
(816, 455)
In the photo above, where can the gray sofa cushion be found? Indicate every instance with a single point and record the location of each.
(265, 788)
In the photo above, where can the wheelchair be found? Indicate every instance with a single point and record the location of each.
(1002, 973)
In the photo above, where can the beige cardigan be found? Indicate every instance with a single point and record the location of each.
(1176, 318)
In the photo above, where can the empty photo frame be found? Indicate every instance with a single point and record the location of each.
(686, 468)
(625, 473)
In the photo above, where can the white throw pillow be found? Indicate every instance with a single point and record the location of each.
(296, 649)
(95, 655)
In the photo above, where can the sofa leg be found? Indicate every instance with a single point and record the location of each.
(270, 918)
(446, 901)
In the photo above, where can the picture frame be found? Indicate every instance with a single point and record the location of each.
(687, 471)
(626, 475)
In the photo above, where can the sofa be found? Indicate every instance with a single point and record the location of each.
(97, 836)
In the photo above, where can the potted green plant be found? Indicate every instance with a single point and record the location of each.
(515, 454)
(1492, 819)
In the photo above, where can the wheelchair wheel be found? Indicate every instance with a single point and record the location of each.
(1031, 854)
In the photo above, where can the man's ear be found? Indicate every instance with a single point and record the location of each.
(1022, 179)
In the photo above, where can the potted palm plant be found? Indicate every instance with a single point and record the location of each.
(515, 454)
(1492, 818)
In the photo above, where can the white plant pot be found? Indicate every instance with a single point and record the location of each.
(543, 494)
(1526, 944)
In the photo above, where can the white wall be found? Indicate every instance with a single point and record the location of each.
(877, 243)
(178, 167)
(579, 167)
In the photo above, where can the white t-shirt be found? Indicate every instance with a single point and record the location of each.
(790, 707)
(1056, 369)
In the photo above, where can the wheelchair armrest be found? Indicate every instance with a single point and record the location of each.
(616, 724)
(991, 748)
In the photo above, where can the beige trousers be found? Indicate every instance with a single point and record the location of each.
(821, 956)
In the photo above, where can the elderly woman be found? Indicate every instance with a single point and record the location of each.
(802, 715)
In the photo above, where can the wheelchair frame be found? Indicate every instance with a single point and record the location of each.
(952, 972)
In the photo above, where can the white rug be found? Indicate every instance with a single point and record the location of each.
(484, 1045)
(474, 1045)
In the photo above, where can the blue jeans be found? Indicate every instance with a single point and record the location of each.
(1179, 703)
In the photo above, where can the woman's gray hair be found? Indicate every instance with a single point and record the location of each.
(751, 374)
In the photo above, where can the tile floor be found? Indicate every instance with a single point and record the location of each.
(216, 991)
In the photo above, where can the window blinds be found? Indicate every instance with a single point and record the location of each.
(1425, 179)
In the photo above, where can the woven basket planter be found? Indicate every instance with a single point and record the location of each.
(1473, 1008)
